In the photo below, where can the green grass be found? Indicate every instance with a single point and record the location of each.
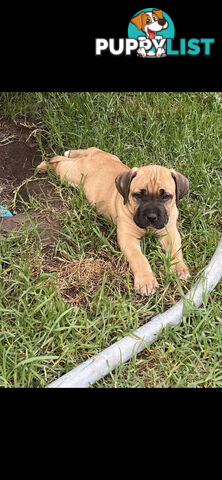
(41, 335)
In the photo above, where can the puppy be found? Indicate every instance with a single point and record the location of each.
(136, 199)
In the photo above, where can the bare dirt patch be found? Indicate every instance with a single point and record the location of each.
(19, 156)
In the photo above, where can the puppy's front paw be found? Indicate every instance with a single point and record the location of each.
(145, 284)
(182, 271)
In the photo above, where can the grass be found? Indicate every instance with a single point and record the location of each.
(44, 333)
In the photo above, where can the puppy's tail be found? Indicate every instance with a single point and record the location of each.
(52, 163)
(42, 166)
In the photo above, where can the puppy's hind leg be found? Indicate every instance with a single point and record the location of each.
(74, 153)
(79, 153)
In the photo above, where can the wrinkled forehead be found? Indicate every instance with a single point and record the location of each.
(153, 178)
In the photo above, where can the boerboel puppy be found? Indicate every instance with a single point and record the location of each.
(136, 199)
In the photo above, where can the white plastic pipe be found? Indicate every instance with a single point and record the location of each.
(120, 352)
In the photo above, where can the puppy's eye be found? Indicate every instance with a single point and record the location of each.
(164, 196)
(140, 194)
(148, 20)
(155, 18)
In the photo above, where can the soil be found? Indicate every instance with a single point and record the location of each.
(19, 156)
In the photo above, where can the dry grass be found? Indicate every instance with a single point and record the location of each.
(75, 278)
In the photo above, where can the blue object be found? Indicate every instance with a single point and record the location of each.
(4, 212)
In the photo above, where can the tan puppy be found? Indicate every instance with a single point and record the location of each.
(135, 199)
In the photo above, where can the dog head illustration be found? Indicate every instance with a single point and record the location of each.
(150, 22)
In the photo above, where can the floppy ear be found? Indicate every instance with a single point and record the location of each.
(138, 20)
(123, 182)
(158, 13)
(182, 185)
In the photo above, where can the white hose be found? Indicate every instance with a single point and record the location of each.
(120, 352)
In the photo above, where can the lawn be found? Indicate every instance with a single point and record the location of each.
(64, 300)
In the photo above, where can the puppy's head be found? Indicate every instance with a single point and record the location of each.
(153, 21)
(150, 193)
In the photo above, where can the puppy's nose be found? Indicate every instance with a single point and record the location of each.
(162, 22)
(152, 217)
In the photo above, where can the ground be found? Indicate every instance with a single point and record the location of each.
(19, 155)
